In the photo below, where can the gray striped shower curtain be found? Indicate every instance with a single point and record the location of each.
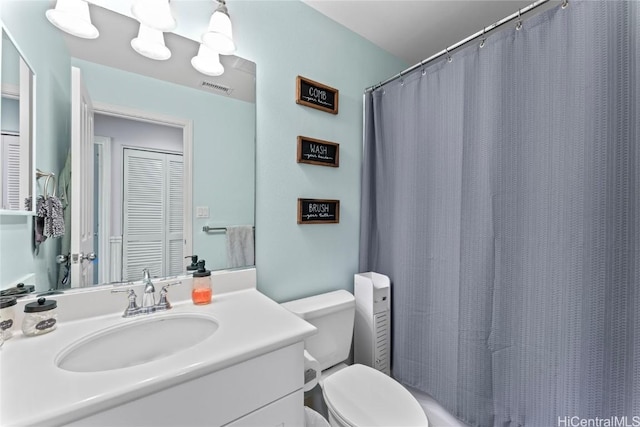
(501, 195)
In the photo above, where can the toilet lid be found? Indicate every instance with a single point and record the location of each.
(363, 396)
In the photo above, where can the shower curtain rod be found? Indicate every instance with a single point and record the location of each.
(451, 48)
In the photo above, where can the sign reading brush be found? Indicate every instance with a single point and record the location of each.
(318, 211)
(318, 152)
(316, 95)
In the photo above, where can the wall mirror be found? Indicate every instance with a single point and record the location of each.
(172, 153)
(17, 130)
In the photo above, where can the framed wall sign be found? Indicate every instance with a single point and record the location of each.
(316, 95)
(318, 211)
(318, 152)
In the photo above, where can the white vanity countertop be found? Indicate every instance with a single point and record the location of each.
(33, 391)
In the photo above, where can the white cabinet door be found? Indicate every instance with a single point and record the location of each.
(286, 412)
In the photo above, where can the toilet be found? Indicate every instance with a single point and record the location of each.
(355, 395)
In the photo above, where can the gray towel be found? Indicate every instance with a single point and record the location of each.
(39, 218)
(48, 220)
(240, 246)
(54, 221)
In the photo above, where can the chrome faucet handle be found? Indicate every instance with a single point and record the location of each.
(164, 303)
(133, 308)
(164, 287)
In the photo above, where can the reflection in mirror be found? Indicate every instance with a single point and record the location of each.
(165, 141)
(17, 87)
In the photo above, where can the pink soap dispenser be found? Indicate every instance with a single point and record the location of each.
(201, 290)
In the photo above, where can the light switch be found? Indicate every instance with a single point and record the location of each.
(202, 212)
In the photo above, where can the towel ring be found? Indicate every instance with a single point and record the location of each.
(46, 186)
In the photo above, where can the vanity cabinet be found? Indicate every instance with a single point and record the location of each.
(265, 390)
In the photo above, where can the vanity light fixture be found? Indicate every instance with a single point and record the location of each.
(207, 61)
(219, 35)
(155, 14)
(72, 16)
(150, 43)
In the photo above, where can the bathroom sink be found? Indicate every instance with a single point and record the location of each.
(139, 341)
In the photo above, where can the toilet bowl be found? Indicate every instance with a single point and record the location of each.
(355, 395)
(362, 396)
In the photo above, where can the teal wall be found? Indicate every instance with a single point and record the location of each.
(10, 62)
(10, 120)
(46, 53)
(286, 39)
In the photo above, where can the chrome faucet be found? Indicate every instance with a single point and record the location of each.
(133, 309)
(149, 297)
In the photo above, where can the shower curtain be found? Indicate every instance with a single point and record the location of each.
(500, 193)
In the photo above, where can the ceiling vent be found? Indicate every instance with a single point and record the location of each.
(216, 87)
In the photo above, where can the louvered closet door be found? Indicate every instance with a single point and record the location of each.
(152, 214)
(10, 169)
(174, 237)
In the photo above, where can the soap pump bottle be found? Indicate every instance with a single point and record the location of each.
(194, 263)
(201, 290)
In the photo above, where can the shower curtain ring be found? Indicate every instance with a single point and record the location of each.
(519, 23)
(483, 39)
(424, 72)
(449, 58)
(565, 3)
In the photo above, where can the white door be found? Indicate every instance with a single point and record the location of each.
(152, 214)
(82, 250)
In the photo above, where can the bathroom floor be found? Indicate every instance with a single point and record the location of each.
(438, 416)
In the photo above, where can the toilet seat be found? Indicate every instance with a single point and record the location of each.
(362, 396)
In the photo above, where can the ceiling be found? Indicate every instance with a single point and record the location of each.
(415, 30)
(112, 49)
(411, 30)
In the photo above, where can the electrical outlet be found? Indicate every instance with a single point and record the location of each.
(202, 212)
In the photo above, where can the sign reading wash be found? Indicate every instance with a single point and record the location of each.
(318, 211)
(318, 152)
(316, 95)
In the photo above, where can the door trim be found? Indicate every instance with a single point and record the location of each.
(187, 155)
(104, 254)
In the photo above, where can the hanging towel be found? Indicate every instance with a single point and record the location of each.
(48, 220)
(38, 221)
(54, 221)
(240, 246)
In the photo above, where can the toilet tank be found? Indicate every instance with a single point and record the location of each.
(332, 314)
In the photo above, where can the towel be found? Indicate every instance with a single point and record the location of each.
(49, 209)
(38, 221)
(48, 220)
(240, 246)
(54, 221)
